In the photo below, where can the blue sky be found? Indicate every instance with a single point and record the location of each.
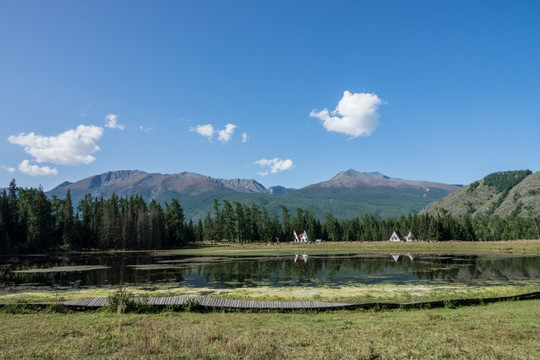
(286, 92)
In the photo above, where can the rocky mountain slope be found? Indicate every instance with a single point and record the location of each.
(354, 179)
(509, 193)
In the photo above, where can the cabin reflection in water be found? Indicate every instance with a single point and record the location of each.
(303, 258)
(399, 257)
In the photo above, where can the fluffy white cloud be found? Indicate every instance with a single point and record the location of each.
(9, 169)
(204, 130)
(112, 122)
(244, 137)
(208, 131)
(355, 114)
(35, 170)
(226, 134)
(73, 147)
(276, 165)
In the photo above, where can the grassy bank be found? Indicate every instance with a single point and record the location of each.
(350, 294)
(507, 330)
(516, 246)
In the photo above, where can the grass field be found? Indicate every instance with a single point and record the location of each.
(508, 330)
(448, 247)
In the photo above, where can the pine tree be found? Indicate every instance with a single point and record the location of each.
(144, 236)
(230, 220)
(67, 234)
(157, 224)
(111, 235)
(287, 230)
(241, 223)
(218, 223)
(174, 223)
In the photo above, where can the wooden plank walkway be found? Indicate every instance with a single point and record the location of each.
(212, 303)
(217, 303)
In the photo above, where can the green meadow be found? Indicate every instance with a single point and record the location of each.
(506, 330)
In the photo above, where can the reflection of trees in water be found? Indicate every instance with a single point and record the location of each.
(478, 268)
(234, 272)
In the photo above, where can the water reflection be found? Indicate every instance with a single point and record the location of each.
(102, 270)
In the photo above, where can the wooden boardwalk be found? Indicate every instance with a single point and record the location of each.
(228, 304)
(213, 303)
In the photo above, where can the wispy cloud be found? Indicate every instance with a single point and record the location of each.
(244, 137)
(145, 128)
(84, 110)
(72, 147)
(355, 115)
(9, 169)
(112, 122)
(35, 170)
(226, 134)
(275, 165)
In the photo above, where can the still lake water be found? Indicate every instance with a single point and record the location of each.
(225, 272)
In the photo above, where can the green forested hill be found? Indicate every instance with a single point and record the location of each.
(381, 202)
(508, 193)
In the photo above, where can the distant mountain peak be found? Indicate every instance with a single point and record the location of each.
(353, 179)
(279, 190)
(357, 174)
(132, 180)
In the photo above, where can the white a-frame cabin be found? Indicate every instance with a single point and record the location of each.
(300, 237)
(396, 236)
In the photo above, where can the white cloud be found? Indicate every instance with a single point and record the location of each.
(34, 170)
(208, 131)
(355, 114)
(226, 134)
(244, 137)
(112, 122)
(72, 147)
(204, 130)
(9, 169)
(276, 165)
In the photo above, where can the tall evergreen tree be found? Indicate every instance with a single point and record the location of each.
(68, 220)
(144, 236)
(230, 220)
(287, 230)
(174, 223)
(157, 224)
(241, 222)
(219, 222)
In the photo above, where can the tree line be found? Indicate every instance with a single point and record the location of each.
(32, 222)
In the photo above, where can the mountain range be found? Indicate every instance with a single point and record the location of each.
(346, 195)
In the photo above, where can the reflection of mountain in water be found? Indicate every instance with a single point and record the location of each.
(232, 272)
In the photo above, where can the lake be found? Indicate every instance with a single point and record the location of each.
(69, 271)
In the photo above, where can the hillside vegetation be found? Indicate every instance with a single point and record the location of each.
(508, 193)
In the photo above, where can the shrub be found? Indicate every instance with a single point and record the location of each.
(122, 301)
(192, 305)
